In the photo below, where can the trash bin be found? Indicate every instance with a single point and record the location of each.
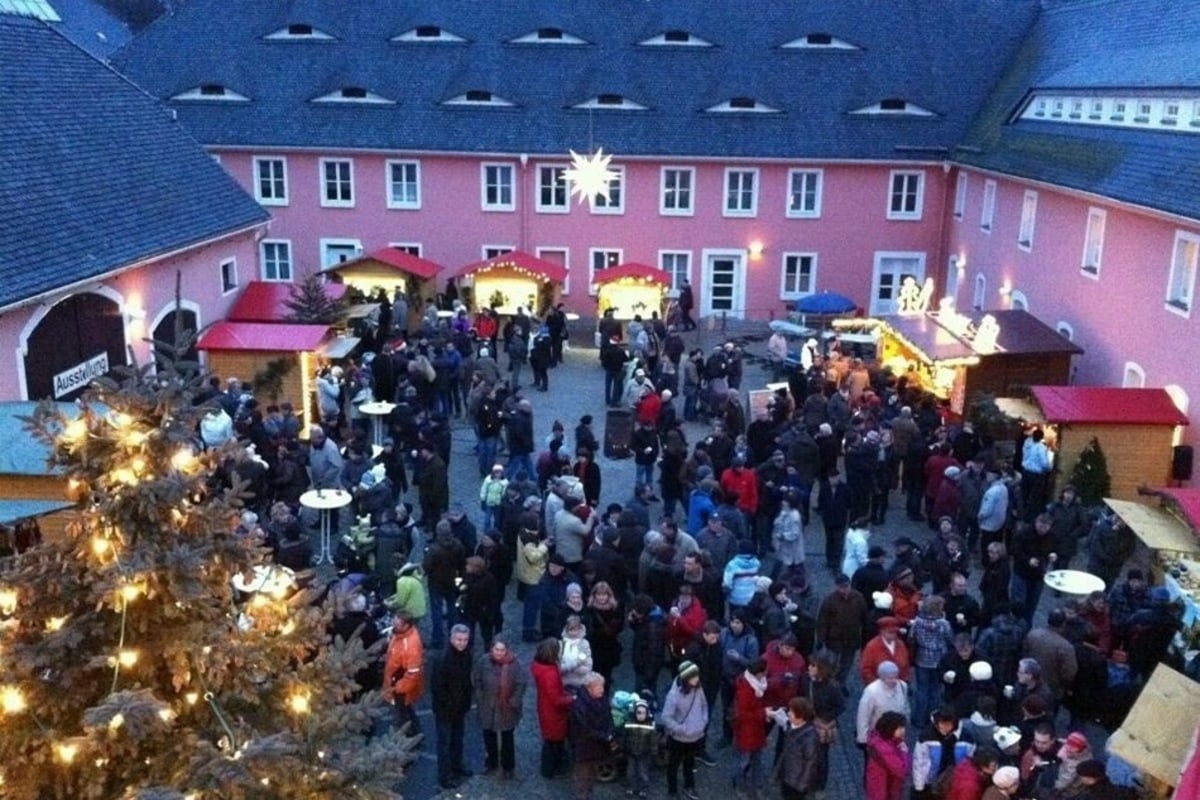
(618, 430)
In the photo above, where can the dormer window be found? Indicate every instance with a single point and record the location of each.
(611, 101)
(37, 9)
(354, 94)
(676, 38)
(428, 33)
(743, 105)
(548, 36)
(211, 91)
(819, 41)
(894, 106)
(478, 97)
(299, 31)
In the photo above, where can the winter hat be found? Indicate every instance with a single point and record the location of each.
(1007, 778)
(887, 669)
(980, 671)
(1076, 742)
(497, 468)
(1160, 595)
(1007, 737)
(952, 472)
(688, 670)
(882, 600)
(574, 588)
(762, 583)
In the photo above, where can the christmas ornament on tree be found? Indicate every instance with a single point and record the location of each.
(129, 665)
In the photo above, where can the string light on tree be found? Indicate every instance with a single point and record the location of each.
(590, 176)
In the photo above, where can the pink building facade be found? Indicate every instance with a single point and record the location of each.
(751, 236)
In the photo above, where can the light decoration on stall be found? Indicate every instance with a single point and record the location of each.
(590, 176)
(913, 299)
(869, 325)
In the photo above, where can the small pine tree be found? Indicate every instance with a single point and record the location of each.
(311, 304)
(1090, 475)
(130, 669)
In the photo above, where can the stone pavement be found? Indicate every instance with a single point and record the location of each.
(576, 388)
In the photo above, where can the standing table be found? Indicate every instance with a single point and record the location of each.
(1074, 581)
(325, 501)
(377, 410)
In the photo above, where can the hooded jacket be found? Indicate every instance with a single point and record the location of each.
(738, 579)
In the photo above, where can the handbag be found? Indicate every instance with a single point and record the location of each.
(826, 731)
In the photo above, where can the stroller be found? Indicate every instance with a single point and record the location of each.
(635, 737)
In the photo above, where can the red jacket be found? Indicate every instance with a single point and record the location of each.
(875, 653)
(486, 327)
(887, 768)
(745, 483)
(779, 689)
(553, 702)
(647, 410)
(750, 719)
(684, 629)
(967, 782)
(906, 604)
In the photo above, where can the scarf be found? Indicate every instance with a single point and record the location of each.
(504, 681)
(759, 685)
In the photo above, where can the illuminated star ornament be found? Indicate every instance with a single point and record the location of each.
(590, 176)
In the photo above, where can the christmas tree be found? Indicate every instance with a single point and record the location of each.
(130, 667)
(1090, 475)
(311, 304)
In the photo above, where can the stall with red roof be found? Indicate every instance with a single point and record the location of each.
(510, 281)
(631, 290)
(391, 269)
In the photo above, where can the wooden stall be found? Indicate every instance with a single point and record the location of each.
(1157, 735)
(512, 280)
(1135, 429)
(28, 488)
(279, 359)
(957, 355)
(631, 290)
(391, 269)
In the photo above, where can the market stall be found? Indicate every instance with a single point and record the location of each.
(957, 355)
(630, 290)
(267, 301)
(1156, 737)
(512, 280)
(1174, 547)
(390, 268)
(1135, 429)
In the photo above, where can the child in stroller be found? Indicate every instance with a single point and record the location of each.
(633, 716)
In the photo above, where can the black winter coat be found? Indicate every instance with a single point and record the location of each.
(592, 732)
(450, 684)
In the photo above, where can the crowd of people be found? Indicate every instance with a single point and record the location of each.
(698, 589)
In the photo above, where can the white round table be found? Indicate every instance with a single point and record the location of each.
(325, 501)
(377, 410)
(266, 578)
(1073, 581)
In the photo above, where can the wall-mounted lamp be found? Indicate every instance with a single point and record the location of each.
(756, 249)
(1006, 289)
(960, 263)
(136, 313)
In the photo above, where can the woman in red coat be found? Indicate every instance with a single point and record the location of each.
(887, 759)
(750, 727)
(553, 708)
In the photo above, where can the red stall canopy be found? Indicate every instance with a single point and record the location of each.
(282, 337)
(632, 269)
(396, 258)
(266, 301)
(518, 261)
(1105, 404)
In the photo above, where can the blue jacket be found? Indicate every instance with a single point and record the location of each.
(738, 579)
(699, 503)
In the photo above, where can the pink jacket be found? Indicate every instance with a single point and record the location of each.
(887, 767)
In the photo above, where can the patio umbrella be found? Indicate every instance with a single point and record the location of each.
(825, 304)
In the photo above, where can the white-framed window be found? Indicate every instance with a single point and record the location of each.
(678, 266)
(553, 193)
(615, 202)
(496, 187)
(412, 248)
(892, 270)
(560, 256)
(1133, 377)
(229, 276)
(270, 181)
(404, 184)
(339, 251)
(804, 193)
(276, 260)
(677, 192)
(1118, 112)
(600, 259)
(493, 250)
(980, 295)
(1093, 242)
(798, 276)
(1065, 330)
(1181, 285)
(906, 195)
(1028, 219)
(741, 192)
(337, 182)
(960, 196)
(987, 216)
(1017, 300)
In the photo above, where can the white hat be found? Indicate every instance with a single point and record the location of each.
(1007, 737)
(1007, 778)
(981, 671)
(882, 600)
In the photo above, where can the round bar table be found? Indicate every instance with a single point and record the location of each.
(325, 501)
(1073, 581)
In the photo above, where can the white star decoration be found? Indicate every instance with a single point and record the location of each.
(590, 176)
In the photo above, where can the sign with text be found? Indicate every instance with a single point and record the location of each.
(80, 375)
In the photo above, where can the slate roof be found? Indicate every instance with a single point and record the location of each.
(94, 174)
(1102, 46)
(941, 56)
(1106, 404)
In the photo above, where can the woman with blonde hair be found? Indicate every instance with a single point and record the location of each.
(605, 619)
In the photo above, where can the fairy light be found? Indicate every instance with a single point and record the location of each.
(138, 465)
(116, 722)
(287, 628)
(55, 624)
(12, 700)
(299, 703)
(76, 429)
(130, 592)
(134, 439)
(166, 714)
(127, 658)
(120, 419)
(184, 459)
(66, 751)
(8, 601)
(100, 545)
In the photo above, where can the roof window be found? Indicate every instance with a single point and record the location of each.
(478, 97)
(353, 94)
(742, 105)
(213, 92)
(894, 106)
(548, 36)
(611, 101)
(819, 41)
(38, 9)
(428, 33)
(676, 38)
(299, 31)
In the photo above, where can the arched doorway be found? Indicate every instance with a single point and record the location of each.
(79, 339)
(164, 337)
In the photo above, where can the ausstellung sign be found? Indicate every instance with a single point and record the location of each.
(80, 375)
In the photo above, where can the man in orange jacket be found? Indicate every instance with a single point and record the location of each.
(403, 676)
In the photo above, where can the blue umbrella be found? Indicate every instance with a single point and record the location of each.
(825, 303)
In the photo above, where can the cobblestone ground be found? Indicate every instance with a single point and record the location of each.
(576, 388)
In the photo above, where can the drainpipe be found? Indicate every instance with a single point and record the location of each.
(941, 237)
(523, 204)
